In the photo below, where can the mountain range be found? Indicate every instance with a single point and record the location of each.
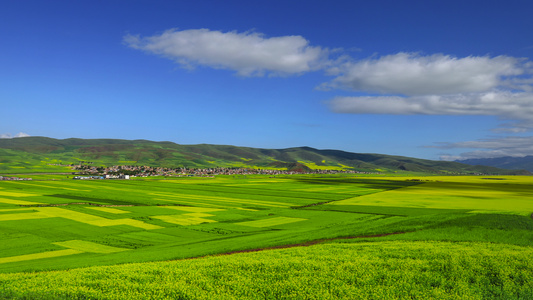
(25, 154)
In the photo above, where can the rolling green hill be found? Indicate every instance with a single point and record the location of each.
(42, 154)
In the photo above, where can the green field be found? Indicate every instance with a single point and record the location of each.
(383, 237)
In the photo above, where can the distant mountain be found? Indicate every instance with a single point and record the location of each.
(40, 153)
(507, 162)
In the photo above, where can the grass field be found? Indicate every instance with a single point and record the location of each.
(441, 237)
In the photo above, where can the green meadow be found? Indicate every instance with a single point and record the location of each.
(261, 237)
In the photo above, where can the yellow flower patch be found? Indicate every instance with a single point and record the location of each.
(110, 210)
(47, 254)
(85, 246)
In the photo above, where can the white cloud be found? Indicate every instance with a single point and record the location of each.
(439, 85)
(506, 105)
(490, 148)
(411, 74)
(21, 134)
(9, 136)
(248, 53)
(517, 108)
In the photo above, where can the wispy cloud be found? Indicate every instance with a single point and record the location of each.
(247, 53)
(21, 134)
(9, 136)
(493, 147)
(515, 107)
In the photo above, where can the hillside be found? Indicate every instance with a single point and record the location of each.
(42, 154)
(507, 162)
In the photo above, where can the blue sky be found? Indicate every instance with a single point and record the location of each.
(427, 79)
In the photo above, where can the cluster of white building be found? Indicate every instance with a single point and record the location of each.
(13, 178)
(102, 177)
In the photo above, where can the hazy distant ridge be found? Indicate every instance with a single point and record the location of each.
(507, 162)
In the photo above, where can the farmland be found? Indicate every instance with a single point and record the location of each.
(426, 236)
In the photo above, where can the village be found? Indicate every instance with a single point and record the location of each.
(126, 172)
(90, 172)
(13, 178)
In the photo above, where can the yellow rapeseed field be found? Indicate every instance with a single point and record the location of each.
(109, 210)
(511, 194)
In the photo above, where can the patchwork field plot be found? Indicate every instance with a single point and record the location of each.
(511, 194)
(109, 210)
(18, 202)
(64, 224)
(271, 222)
(41, 255)
(84, 246)
(187, 219)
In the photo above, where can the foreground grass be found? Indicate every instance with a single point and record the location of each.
(364, 270)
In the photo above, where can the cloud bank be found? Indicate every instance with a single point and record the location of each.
(248, 53)
(409, 84)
